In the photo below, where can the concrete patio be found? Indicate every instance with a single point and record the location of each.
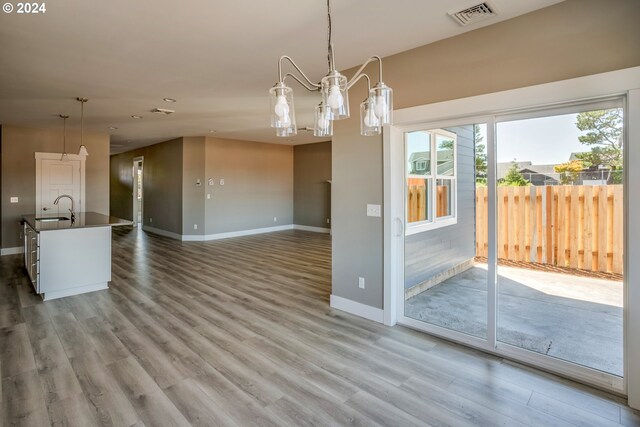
(578, 319)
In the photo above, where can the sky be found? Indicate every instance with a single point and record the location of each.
(543, 141)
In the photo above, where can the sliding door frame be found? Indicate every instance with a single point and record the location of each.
(485, 109)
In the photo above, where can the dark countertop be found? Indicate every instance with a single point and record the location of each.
(83, 220)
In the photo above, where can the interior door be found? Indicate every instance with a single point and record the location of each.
(59, 177)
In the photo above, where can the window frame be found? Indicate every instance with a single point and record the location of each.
(433, 221)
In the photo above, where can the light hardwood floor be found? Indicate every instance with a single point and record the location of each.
(239, 332)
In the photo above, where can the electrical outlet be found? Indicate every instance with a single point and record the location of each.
(208, 196)
(195, 226)
(275, 219)
(150, 219)
(328, 221)
(361, 282)
(14, 200)
(373, 210)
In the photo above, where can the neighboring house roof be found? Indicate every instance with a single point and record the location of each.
(420, 155)
(525, 168)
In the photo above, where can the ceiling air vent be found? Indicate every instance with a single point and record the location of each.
(473, 14)
(164, 111)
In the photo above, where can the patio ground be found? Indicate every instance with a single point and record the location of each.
(578, 319)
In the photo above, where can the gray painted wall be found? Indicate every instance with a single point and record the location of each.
(193, 195)
(528, 56)
(311, 191)
(162, 177)
(258, 185)
(19, 145)
(436, 251)
(357, 238)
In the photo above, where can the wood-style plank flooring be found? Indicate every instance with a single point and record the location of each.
(239, 332)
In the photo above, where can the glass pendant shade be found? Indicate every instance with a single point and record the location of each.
(83, 151)
(333, 88)
(285, 132)
(323, 122)
(283, 115)
(382, 96)
(369, 121)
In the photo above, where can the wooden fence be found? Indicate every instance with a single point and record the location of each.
(416, 204)
(570, 226)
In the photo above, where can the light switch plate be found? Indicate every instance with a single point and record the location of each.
(373, 210)
(14, 200)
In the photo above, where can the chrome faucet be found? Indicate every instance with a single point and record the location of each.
(72, 210)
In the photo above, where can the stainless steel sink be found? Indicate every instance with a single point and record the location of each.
(53, 219)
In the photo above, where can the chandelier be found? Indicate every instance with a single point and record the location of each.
(375, 111)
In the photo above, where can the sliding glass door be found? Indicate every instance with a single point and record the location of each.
(445, 262)
(514, 236)
(560, 234)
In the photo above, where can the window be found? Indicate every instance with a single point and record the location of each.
(431, 179)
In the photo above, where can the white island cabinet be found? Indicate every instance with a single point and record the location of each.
(66, 258)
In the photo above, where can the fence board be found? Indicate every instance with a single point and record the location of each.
(576, 226)
(602, 228)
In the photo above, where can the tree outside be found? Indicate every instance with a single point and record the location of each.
(513, 178)
(481, 156)
(569, 171)
(604, 136)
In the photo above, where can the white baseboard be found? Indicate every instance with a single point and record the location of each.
(240, 233)
(359, 309)
(217, 236)
(162, 232)
(309, 228)
(12, 251)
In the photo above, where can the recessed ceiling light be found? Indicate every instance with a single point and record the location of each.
(212, 131)
(164, 111)
(113, 128)
(135, 116)
(168, 100)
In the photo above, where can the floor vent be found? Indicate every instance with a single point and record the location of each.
(473, 14)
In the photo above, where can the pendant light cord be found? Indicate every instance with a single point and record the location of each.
(81, 123)
(329, 36)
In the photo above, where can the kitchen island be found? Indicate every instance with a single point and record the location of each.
(65, 257)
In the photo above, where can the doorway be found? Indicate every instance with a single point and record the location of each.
(55, 177)
(138, 192)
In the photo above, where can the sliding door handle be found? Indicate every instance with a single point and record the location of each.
(399, 227)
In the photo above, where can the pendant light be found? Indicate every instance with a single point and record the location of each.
(83, 149)
(65, 156)
(376, 110)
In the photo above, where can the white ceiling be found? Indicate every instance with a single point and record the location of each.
(217, 58)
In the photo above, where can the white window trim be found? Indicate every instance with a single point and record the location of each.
(435, 222)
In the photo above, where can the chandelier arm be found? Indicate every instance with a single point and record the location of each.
(296, 78)
(362, 67)
(283, 57)
(361, 75)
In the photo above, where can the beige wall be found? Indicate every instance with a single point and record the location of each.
(311, 191)
(193, 195)
(570, 39)
(19, 145)
(258, 185)
(162, 177)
